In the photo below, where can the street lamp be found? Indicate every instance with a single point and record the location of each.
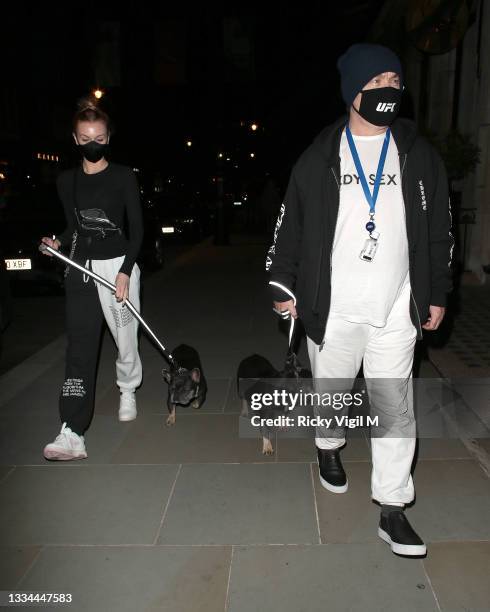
(254, 127)
(252, 154)
(98, 93)
(189, 143)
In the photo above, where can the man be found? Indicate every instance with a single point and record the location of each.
(362, 252)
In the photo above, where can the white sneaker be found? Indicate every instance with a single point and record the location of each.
(127, 406)
(68, 445)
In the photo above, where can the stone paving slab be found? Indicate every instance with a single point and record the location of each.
(134, 579)
(453, 499)
(241, 504)
(15, 561)
(340, 577)
(458, 572)
(195, 438)
(83, 504)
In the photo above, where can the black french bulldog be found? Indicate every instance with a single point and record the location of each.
(293, 368)
(259, 368)
(256, 367)
(186, 383)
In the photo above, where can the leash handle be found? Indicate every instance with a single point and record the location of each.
(286, 314)
(111, 287)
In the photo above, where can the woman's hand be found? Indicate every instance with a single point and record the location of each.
(122, 287)
(54, 244)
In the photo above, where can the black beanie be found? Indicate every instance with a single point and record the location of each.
(362, 62)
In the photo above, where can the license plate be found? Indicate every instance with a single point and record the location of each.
(18, 264)
(168, 230)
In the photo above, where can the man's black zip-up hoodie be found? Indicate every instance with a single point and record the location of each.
(300, 257)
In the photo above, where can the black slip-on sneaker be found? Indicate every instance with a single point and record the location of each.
(395, 529)
(332, 474)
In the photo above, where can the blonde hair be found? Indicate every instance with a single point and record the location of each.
(88, 110)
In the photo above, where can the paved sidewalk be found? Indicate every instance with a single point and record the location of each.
(194, 518)
(465, 349)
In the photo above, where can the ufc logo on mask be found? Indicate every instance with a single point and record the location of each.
(385, 107)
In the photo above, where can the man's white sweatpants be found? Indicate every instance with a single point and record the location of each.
(123, 325)
(386, 353)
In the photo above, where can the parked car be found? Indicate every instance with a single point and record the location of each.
(27, 216)
(179, 217)
(5, 303)
(152, 251)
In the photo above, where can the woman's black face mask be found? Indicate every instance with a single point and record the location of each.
(380, 106)
(93, 151)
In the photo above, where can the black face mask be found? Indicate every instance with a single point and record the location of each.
(93, 151)
(380, 106)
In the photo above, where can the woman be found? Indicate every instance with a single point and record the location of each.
(112, 188)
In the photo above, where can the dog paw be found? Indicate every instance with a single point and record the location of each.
(267, 448)
(170, 420)
(195, 404)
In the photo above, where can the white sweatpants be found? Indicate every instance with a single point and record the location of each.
(386, 353)
(123, 325)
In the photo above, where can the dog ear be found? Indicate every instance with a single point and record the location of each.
(196, 375)
(166, 375)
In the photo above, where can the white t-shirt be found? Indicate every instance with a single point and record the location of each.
(364, 292)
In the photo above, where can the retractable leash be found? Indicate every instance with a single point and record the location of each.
(108, 285)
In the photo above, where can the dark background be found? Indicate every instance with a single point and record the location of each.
(169, 77)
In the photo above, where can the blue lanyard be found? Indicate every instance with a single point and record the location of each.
(371, 199)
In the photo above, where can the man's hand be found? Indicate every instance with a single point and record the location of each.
(122, 287)
(436, 315)
(54, 244)
(281, 307)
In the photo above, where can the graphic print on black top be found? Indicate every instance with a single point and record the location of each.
(114, 190)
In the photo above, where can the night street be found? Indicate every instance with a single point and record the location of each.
(218, 228)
